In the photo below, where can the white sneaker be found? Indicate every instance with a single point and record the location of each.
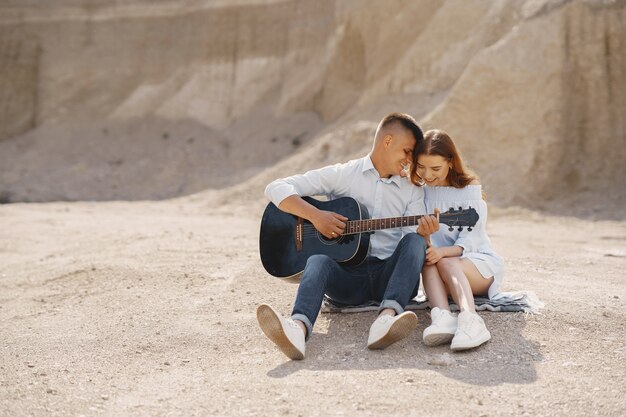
(471, 331)
(442, 329)
(285, 333)
(388, 329)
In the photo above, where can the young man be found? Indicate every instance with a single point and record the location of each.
(391, 272)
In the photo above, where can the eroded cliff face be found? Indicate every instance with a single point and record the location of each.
(211, 72)
(211, 64)
(533, 90)
(538, 112)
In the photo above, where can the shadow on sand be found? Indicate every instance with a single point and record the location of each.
(507, 358)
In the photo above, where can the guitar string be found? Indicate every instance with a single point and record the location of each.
(309, 230)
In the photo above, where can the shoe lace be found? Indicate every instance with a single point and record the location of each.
(470, 322)
(385, 318)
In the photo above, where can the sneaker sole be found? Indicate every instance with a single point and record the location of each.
(436, 339)
(271, 325)
(400, 329)
(484, 337)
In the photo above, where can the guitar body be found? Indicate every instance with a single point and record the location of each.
(286, 242)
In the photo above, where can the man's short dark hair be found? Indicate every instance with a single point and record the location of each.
(407, 121)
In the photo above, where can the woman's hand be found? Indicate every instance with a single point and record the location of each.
(433, 255)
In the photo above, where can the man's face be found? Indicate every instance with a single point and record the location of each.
(398, 153)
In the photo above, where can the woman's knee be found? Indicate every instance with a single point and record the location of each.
(447, 266)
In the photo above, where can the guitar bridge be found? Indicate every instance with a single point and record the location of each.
(298, 234)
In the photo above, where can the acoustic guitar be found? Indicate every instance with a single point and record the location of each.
(287, 241)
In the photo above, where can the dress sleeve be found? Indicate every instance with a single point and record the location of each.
(470, 240)
(324, 181)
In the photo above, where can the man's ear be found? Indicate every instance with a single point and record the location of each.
(387, 140)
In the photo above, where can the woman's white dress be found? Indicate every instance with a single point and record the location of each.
(476, 244)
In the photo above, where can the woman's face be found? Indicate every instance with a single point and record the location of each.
(433, 169)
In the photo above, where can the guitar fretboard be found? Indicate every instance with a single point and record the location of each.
(369, 225)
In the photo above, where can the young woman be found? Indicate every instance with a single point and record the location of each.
(459, 263)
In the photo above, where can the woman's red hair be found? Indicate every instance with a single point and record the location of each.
(438, 142)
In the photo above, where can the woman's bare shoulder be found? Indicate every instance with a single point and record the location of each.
(474, 182)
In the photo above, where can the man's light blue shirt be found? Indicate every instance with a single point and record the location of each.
(383, 197)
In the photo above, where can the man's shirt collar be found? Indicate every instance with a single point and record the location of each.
(369, 165)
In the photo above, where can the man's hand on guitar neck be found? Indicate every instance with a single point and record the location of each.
(427, 225)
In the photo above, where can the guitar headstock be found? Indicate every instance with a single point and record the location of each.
(460, 217)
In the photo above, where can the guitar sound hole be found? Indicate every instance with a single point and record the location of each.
(335, 241)
(328, 241)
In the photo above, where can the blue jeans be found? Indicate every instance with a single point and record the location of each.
(392, 281)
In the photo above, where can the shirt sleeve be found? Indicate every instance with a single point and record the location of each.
(415, 207)
(470, 240)
(330, 180)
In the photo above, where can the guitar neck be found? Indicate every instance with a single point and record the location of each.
(370, 225)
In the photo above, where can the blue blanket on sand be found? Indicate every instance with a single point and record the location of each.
(525, 301)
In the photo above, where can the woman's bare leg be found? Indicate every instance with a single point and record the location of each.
(479, 284)
(444, 323)
(434, 287)
(463, 280)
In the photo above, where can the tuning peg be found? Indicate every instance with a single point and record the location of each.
(460, 208)
(451, 209)
(460, 228)
(469, 229)
(450, 228)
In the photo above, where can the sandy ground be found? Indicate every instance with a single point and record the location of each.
(148, 308)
